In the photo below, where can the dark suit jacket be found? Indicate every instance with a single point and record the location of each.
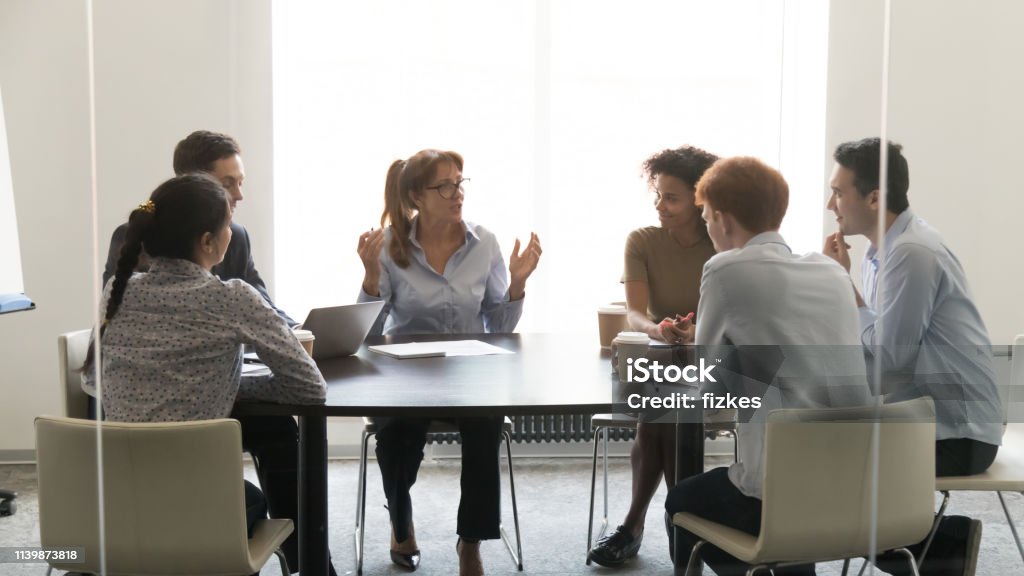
(237, 263)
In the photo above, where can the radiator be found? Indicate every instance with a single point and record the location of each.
(548, 428)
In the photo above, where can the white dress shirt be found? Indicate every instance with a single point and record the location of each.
(785, 328)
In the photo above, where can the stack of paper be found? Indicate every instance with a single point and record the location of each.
(443, 348)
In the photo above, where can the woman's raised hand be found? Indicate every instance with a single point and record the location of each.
(370, 245)
(521, 265)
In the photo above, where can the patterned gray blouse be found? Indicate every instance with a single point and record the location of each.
(173, 351)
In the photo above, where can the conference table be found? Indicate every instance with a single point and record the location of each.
(547, 374)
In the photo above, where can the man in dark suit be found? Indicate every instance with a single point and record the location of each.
(219, 156)
(272, 441)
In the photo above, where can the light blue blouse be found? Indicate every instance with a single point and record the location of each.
(471, 296)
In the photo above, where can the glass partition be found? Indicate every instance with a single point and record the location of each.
(555, 106)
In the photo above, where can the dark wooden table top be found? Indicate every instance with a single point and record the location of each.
(547, 374)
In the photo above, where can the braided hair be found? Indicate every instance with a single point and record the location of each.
(176, 216)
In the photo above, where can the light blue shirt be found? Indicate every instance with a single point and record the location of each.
(471, 296)
(785, 328)
(920, 323)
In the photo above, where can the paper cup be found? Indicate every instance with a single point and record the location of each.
(611, 319)
(628, 346)
(306, 338)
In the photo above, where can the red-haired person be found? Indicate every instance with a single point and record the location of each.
(761, 303)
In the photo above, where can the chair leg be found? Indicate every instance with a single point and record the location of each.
(361, 503)
(604, 461)
(517, 553)
(910, 559)
(1013, 528)
(935, 527)
(694, 561)
(593, 487)
(846, 566)
(282, 561)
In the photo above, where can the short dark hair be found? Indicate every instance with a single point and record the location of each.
(864, 159)
(687, 163)
(200, 149)
(753, 192)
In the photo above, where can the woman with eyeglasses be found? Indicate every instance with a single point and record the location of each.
(662, 275)
(439, 274)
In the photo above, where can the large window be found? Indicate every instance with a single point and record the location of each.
(554, 105)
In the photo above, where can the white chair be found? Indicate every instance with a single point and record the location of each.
(436, 427)
(721, 424)
(173, 498)
(819, 475)
(1007, 472)
(71, 350)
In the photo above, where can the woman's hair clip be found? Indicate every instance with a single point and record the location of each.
(148, 207)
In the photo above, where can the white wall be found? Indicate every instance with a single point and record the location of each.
(43, 74)
(955, 90)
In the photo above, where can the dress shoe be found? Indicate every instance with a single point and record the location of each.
(614, 549)
(962, 556)
(408, 561)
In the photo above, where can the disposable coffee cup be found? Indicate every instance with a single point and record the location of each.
(628, 347)
(611, 319)
(306, 338)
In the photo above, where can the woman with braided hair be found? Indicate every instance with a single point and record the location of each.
(172, 337)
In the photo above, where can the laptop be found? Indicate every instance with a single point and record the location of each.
(340, 330)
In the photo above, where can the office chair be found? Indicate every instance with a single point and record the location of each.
(819, 468)
(436, 427)
(173, 498)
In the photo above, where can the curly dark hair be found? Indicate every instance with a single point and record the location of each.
(687, 163)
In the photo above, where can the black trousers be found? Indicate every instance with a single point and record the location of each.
(713, 496)
(953, 457)
(399, 451)
(273, 443)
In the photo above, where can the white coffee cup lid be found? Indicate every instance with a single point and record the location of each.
(632, 338)
(303, 334)
(611, 309)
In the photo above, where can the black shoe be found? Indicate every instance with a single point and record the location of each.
(408, 561)
(963, 557)
(954, 551)
(614, 549)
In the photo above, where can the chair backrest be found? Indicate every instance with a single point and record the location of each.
(1015, 391)
(71, 350)
(819, 475)
(173, 496)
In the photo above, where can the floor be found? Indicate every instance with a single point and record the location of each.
(552, 495)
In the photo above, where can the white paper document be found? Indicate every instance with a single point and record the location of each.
(443, 348)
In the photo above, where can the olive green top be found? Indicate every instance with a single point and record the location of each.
(672, 272)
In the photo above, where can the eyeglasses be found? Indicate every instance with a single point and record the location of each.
(447, 189)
